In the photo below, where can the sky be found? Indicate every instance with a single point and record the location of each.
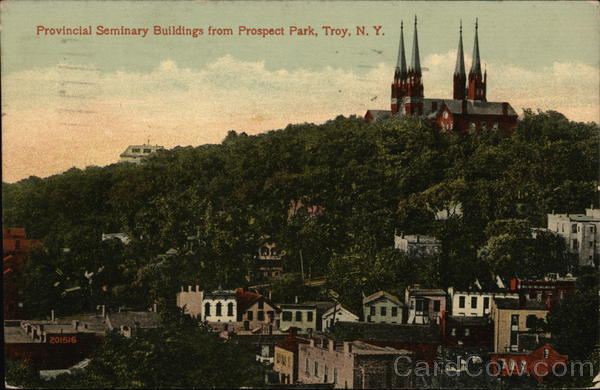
(76, 101)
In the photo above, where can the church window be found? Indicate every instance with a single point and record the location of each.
(495, 127)
(445, 114)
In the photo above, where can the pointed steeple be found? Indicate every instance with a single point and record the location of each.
(401, 64)
(476, 63)
(460, 57)
(415, 65)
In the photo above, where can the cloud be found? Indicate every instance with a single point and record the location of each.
(59, 117)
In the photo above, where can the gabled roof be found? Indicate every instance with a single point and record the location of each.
(382, 294)
(245, 299)
(291, 343)
(339, 308)
(133, 319)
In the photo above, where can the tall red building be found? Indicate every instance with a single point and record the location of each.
(468, 110)
(15, 246)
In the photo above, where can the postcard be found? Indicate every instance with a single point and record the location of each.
(300, 194)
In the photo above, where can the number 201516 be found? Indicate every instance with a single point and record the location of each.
(63, 340)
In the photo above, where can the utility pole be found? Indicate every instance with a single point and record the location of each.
(301, 265)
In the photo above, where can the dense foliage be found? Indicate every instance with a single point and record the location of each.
(216, 204)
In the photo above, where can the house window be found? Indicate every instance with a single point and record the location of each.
(309, 316)
(261, 315)
(325, 374)
(298, 316)
(147, 150)
(394, 311)
(261, 305)
(574, 228)
(287, 316)
(486, 302)
(135, 150)
(316, 369)
(218, 310)
(436, 305)
(473, 302)
(207, 309)
(335, 377)
(230, 309)
(453, 332)
(591, 244)
(461, 302)
(467, 332)
(575, 243)
(383, 310)
(592, 229)
(372, 310)
(307, 365)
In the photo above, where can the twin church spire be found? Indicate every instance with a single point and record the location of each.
(408, 83)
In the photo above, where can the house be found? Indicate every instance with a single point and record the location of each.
(512, 320)
(219, 306)
(580, 232)
(301, 316)
(382, 307)
(322, 307)
(123, 237)
(286, 357)
(268, 261)
(417, 245)
(425, 305)
(190, 301)
(137, 153)
(256, 312)
(538, 363)
(335, 314)
(549, 290)
(354, 364)
(129, 322)
(463, 331)
(474, 303)
(468, 110)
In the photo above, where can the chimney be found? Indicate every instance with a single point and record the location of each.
(505, 109)
(197, 288)
(347, 346)
(103, 311)
(189, 288)
(331, 345)
(181, 288)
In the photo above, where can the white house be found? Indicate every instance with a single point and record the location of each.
(474, 303)
(335, 314)
(301, 316)
(382, 307)
(136, 153)
(580, 232)
(219, 306)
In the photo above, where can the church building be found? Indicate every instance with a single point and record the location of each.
(468, 110)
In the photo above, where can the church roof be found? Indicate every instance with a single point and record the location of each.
(478, 107)
(415, 64)
(460, 57)
(476, 63)
(401, 64)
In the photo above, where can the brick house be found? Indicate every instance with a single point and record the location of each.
(466, 331)
(550, 290)
(286, 357)
(353, 364)
(255, 311)
(537, 364)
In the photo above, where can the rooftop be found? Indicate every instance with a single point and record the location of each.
(514, 304)
(133, 319)
(370, 331)
(380, 294)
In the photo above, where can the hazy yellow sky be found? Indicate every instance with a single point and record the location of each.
(80, 100)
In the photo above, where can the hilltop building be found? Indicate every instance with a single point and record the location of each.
(136, 153)
(468, 110)
(580, 232)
